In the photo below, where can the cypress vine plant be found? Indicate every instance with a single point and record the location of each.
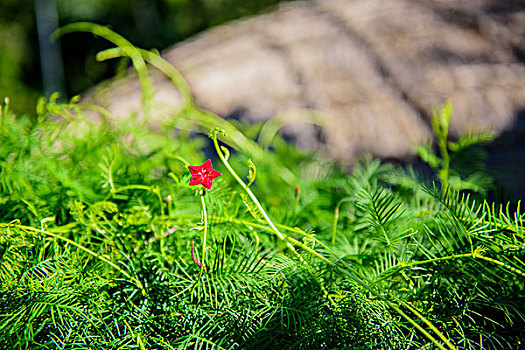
(106, 244)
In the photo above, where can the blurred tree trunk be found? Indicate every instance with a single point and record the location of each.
(50, 54)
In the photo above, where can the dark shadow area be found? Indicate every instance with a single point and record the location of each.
(506, 162)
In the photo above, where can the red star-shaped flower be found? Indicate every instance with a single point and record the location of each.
(203, 174)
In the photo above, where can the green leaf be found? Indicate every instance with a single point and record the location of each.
(441, 118)
(252, 208)
(471, 139)
(252, 171)
(41, 106)
(428, 156)
(226, 152)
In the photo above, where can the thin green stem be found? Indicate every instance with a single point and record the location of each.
(443, 258)
(131, 187)
(502, 264)
(445, 160)
(296, 200)
(250, 193)
(474, 255)
(127, 48)
(205, 217)
(336, 217)
(3, 112)
(334, 224)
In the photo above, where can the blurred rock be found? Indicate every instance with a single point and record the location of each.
(373, 68)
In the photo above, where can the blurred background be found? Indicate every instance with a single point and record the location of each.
(374, 68)
(71, 68)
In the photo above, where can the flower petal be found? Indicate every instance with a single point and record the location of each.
(203, 174)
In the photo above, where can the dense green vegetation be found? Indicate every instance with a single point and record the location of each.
(102, 237)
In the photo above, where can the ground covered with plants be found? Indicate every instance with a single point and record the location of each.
(109, 241)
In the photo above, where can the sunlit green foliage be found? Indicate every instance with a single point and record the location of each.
(97, 224)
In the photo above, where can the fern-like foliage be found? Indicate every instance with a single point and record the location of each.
(102, 239)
